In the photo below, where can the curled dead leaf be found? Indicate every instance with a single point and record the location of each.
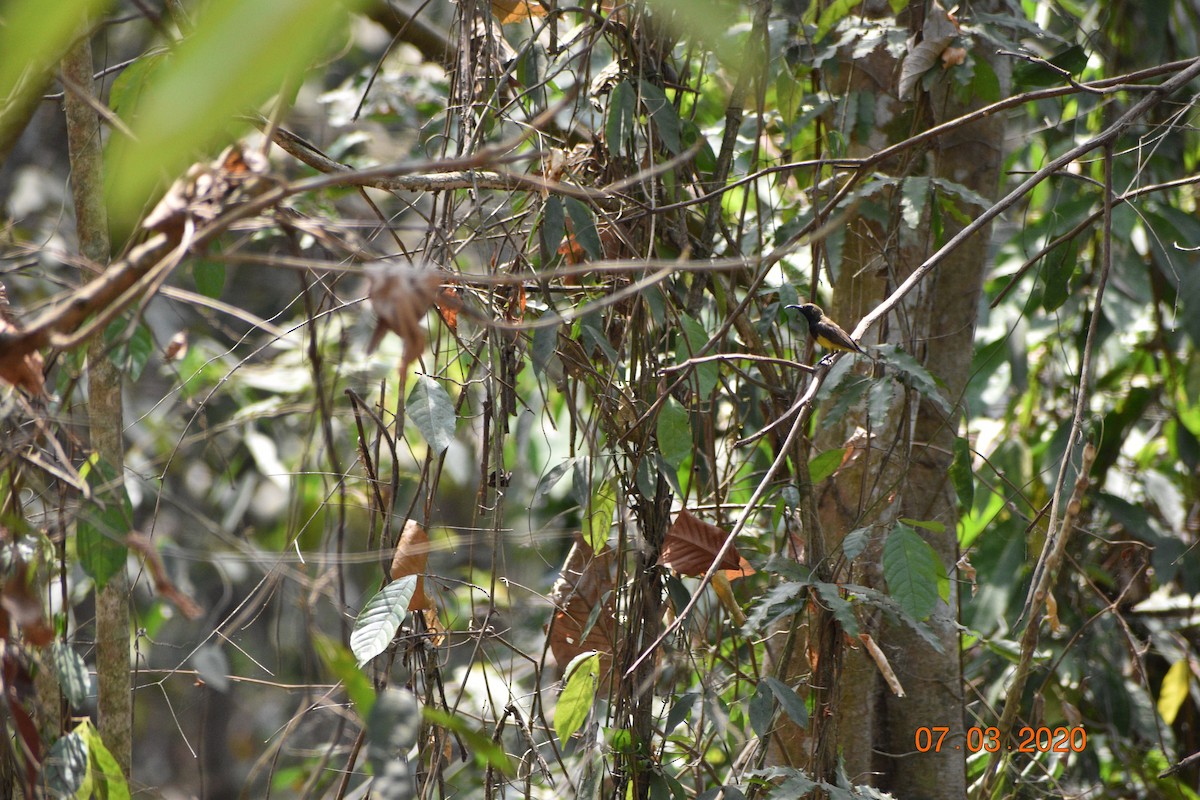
(207, 190)
(507, 11)
(25, 370)
(177, 348)
(953, 56)
(585, 583)
(690, 546)
(411, 557)
(882, 664)
(401, 296)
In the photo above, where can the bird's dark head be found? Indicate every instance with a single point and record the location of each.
(811, 311)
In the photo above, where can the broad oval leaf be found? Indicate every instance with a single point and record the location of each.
(432, 411)
(103, 524)
(674, 432)
(598, 519)
(66, 766)
(73, 675)
(577, 696)
(379, 619)
(911, 571)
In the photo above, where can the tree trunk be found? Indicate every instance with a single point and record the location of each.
(105, 417)
(903, 471)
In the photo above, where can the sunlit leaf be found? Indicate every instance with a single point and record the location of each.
(380, 618)
(598, 518)
(237, 55)
(1174, 690)
(578, 694)
(108, 781)
(432, 411)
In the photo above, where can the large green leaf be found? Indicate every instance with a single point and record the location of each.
(103, 523)
(598, 520)
(73, 675)
(674, 433)
(911, 570)
(618, 126)
(237, 55)
(575, 702)
(106, 777)
(33, 38)
(340, 661)
(379, 619)
(432, 411)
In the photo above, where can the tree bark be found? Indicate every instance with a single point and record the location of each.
(105, 413)
(903, 470)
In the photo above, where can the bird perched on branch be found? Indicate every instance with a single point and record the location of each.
(827, 332)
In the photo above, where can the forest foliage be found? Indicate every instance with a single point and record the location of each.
(468, 435)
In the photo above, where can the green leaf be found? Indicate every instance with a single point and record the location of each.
(840, 607)
(695, 339)
(578, 694)
(1030, 74)
(917, 376)
(379, 619)
(66, 766)
(552, 230)
(618, 126)
(209, 276)
(127, 88)
(984, 84)
(855, 542)
(33, 39)
(1059, 268)
(107, 780)
(432, 411)
(961, 475)
(1174, 690)
(910, 569)
(584, 226)
(761, 710)
(72, 672)
(831, 15)
(825, 464)
(674, 433)
(340, 661)
(665, 118)
(236, 56)
(792, 704)
(487, 753)
(598, 519)
(931, 525)
(103, 523)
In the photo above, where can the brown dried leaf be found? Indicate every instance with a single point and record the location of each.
(939, 30)
(401, 296)
(690, 546)
(206, 190)
(412, 558)
(953, 56)
(177, 348)
(586, 581)
(507, 11)
(881, 662)
(449, 301)
(23, 371)
(24, 607)
(158, 573)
